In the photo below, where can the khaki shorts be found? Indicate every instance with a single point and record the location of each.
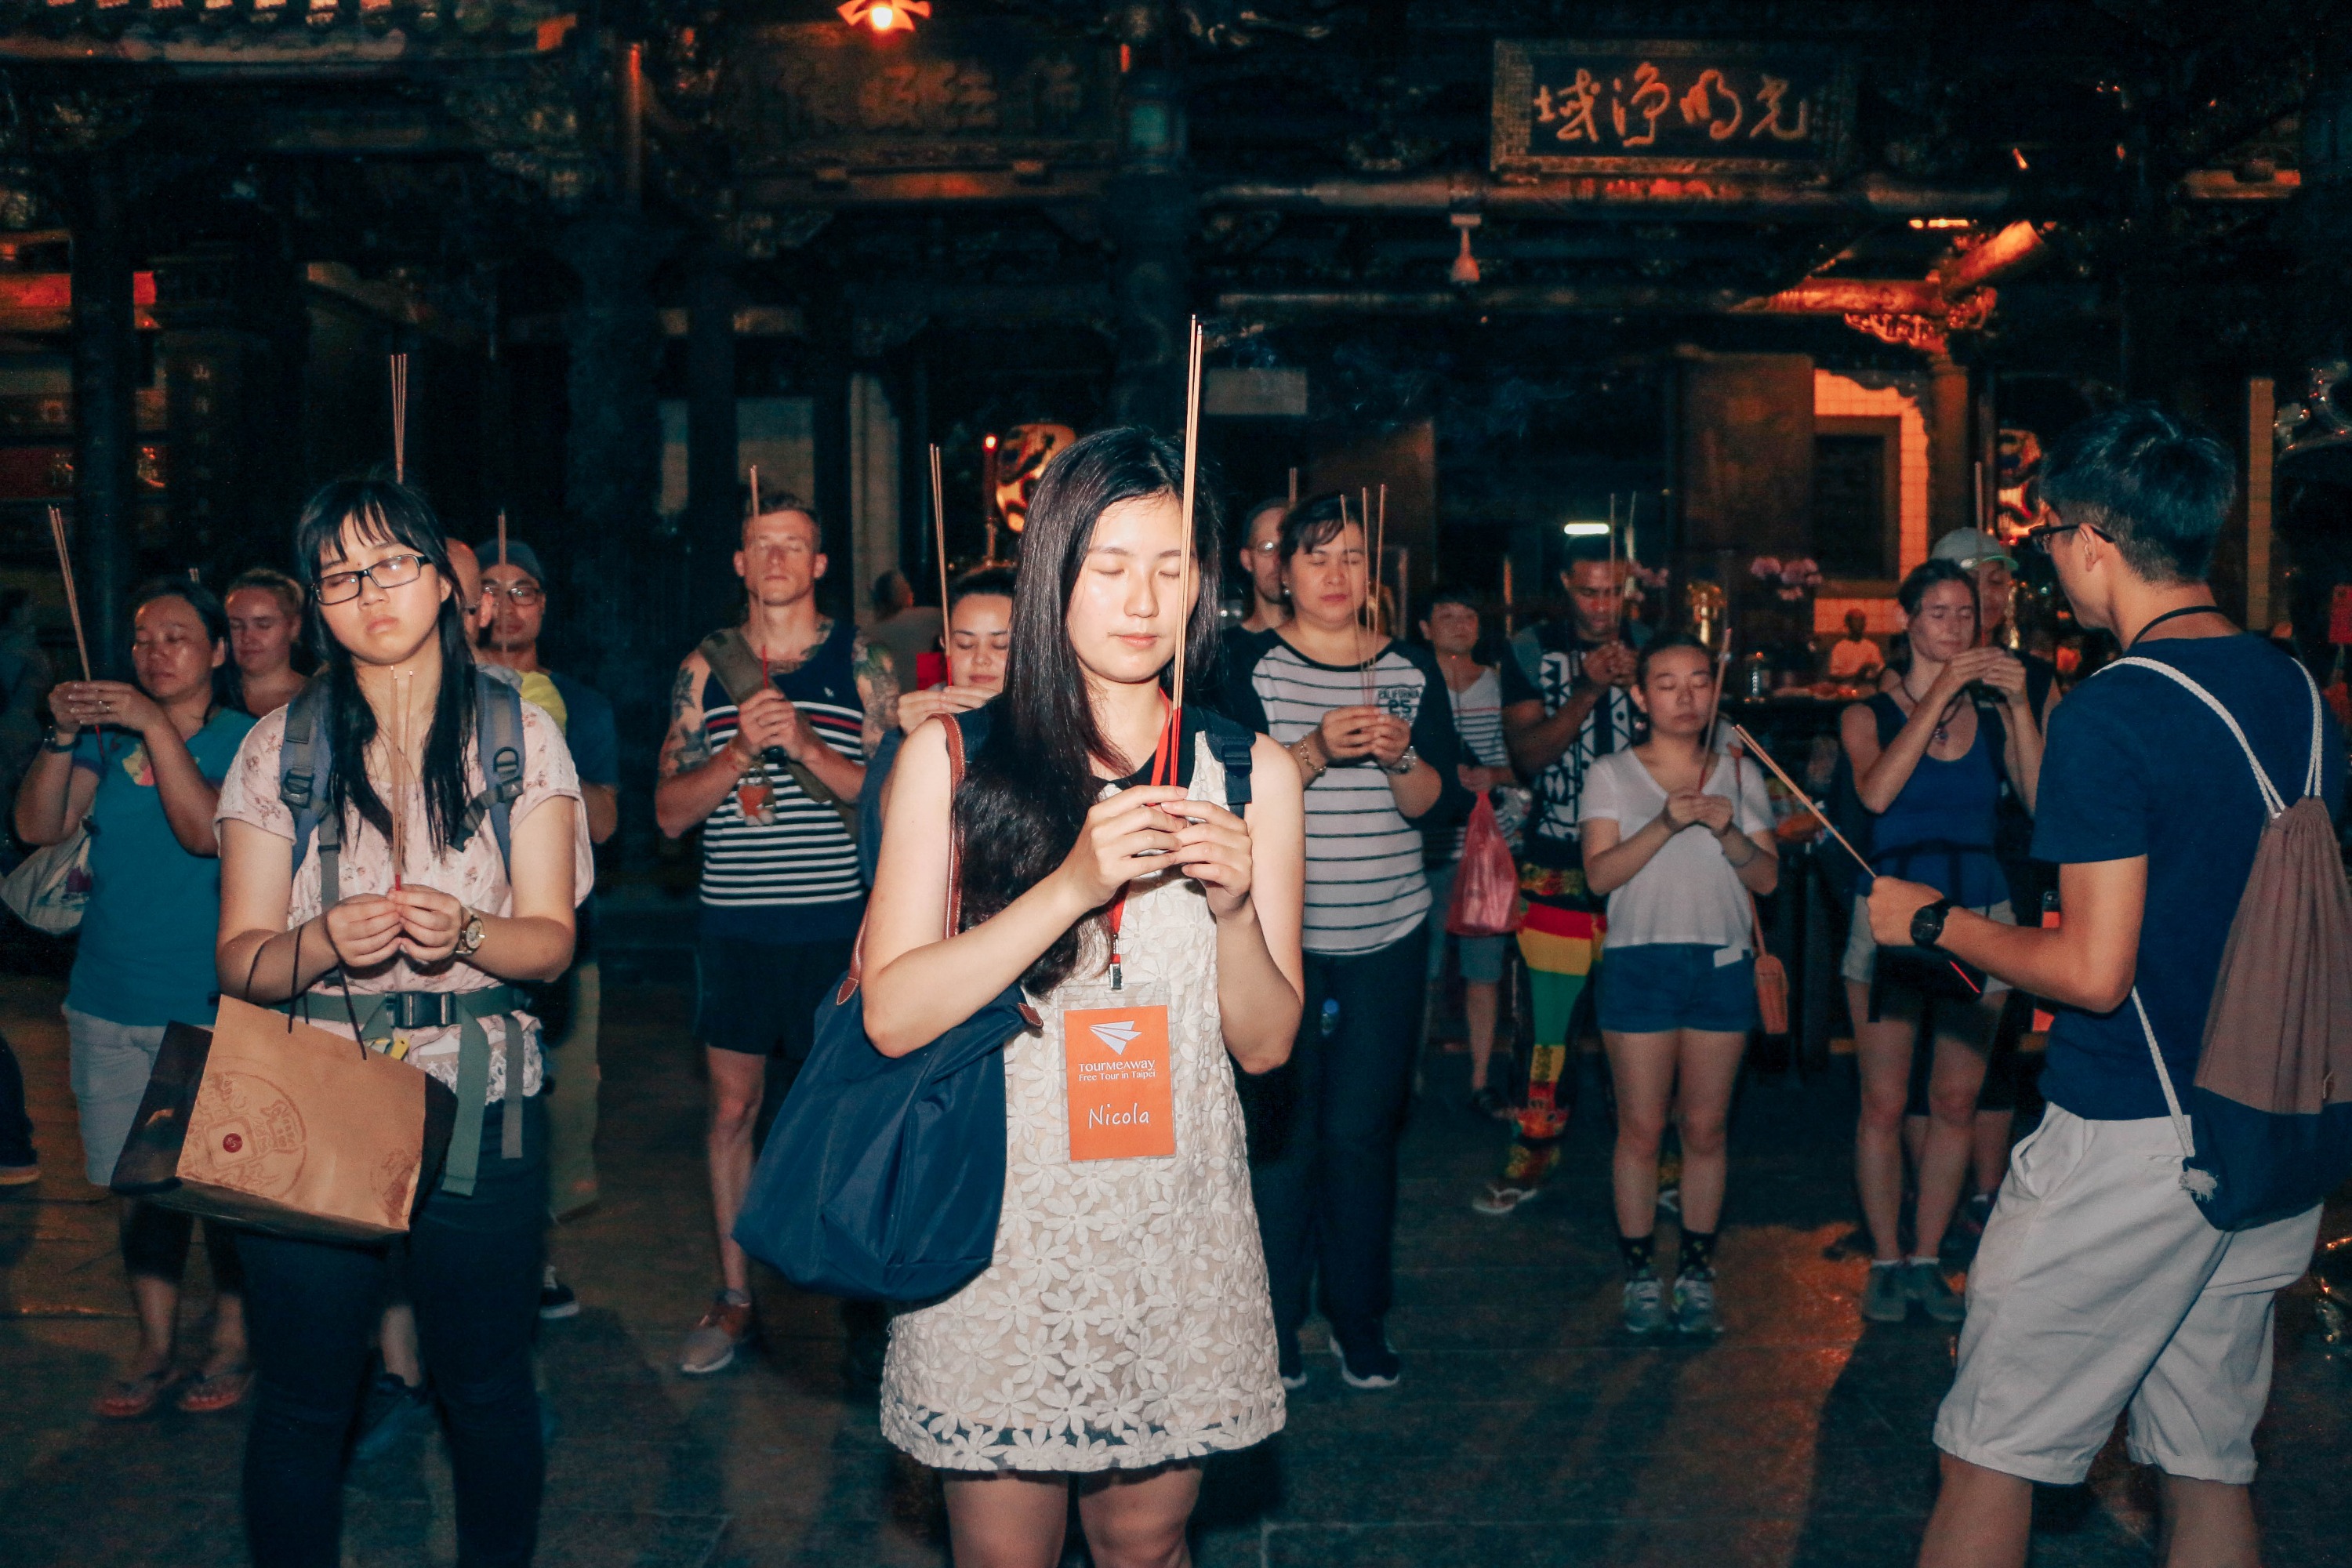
(2099, 1286)
(1862, 948)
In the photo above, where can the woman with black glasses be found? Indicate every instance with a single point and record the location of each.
(431, 923)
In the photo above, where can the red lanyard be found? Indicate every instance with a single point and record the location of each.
(1164, 771)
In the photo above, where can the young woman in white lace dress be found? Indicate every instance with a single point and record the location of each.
(1123, 1331)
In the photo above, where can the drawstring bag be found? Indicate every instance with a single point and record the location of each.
(884, 1176)
(1486, 885)
(2268, 1129)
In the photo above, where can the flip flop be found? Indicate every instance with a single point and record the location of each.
(215, 1391)
(132, 1397)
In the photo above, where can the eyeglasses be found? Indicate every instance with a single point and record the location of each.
(523, 594)
(392, 571)
(2038, 538)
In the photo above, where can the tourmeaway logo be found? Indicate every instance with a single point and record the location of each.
(1117, 1035)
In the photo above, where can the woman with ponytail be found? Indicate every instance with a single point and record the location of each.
(434, 923)
(1123, 1332)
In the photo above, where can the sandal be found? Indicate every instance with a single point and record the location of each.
(132, 1397)
(215, 1391)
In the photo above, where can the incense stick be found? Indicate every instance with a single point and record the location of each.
(73, 599)
(399, 419)
(1294, 489)
(1363, 659)
(1804, 799)
(755, 490)
(1380, 565)
(940, 543)
(400, 771)
(1184, 569)
(502, 536)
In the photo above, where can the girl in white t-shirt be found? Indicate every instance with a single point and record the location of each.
(1679, 838)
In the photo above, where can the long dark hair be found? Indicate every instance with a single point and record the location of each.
(1030, 787)
(199, 598)
(380, 511)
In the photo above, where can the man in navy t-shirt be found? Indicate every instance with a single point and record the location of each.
(2099, 1285)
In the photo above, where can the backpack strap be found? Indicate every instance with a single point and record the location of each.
(303, 761)
(498, 737)
(2198, 1184)
(1230, 743)
(2272, 801)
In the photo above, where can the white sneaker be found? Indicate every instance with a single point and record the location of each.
(1645, 1310)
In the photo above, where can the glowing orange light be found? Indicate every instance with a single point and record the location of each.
(988, 442)
(883, 15)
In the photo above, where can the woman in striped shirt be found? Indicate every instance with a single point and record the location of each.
(1477, 694)
(1369, 725)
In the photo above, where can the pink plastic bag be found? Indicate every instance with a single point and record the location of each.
(1487, 884)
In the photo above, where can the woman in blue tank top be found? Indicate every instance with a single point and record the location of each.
(1930, 758)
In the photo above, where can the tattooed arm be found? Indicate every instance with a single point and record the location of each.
(877, 693)
(690, 779)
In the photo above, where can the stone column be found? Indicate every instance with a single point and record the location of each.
(713, 485)
(1948, 480)
(612, 485)
(105, 418)
(1149, 214)
(2324, 201)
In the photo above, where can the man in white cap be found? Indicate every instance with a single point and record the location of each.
(1996, 574)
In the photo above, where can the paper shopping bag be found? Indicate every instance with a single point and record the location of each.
(269, 1122)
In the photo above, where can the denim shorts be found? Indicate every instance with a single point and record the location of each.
(1659, 986)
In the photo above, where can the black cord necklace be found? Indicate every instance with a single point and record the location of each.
(1944, 723)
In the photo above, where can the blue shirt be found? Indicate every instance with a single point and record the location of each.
(2137, 765)
(146, 955)
(589, 731)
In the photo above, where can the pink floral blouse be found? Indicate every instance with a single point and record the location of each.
(477, 877)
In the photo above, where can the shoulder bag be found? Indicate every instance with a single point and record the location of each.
(883, 1176)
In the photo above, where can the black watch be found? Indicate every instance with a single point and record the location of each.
(1927, 922)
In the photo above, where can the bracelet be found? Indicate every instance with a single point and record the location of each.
(1302, 751)
(49, 741)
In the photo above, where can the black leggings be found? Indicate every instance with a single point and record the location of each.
(472, 1274)
(155, 1246)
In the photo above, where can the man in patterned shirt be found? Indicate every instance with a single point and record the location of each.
(782, 898)
(1565, 702)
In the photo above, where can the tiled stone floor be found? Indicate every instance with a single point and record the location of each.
(1528, 1429)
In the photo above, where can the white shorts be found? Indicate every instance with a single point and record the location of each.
(2098, 1286)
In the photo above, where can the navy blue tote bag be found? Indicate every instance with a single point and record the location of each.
(883, 1176)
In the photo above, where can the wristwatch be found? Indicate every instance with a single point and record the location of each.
(1407, 759)
(1927, 922)
(469, 935)
(49, 741)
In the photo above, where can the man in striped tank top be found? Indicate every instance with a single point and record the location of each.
(782, 898)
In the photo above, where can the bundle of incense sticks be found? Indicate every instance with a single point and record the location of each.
(1380, 565)
(755, 490)
(502, 536)
(399, 419)
(400, 773)
(1184, 567)
(1363, 658)
(73, 599)
(940, 540)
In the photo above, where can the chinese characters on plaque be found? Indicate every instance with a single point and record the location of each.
(1669, 106)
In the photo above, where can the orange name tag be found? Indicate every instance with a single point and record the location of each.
(1122, 1101)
